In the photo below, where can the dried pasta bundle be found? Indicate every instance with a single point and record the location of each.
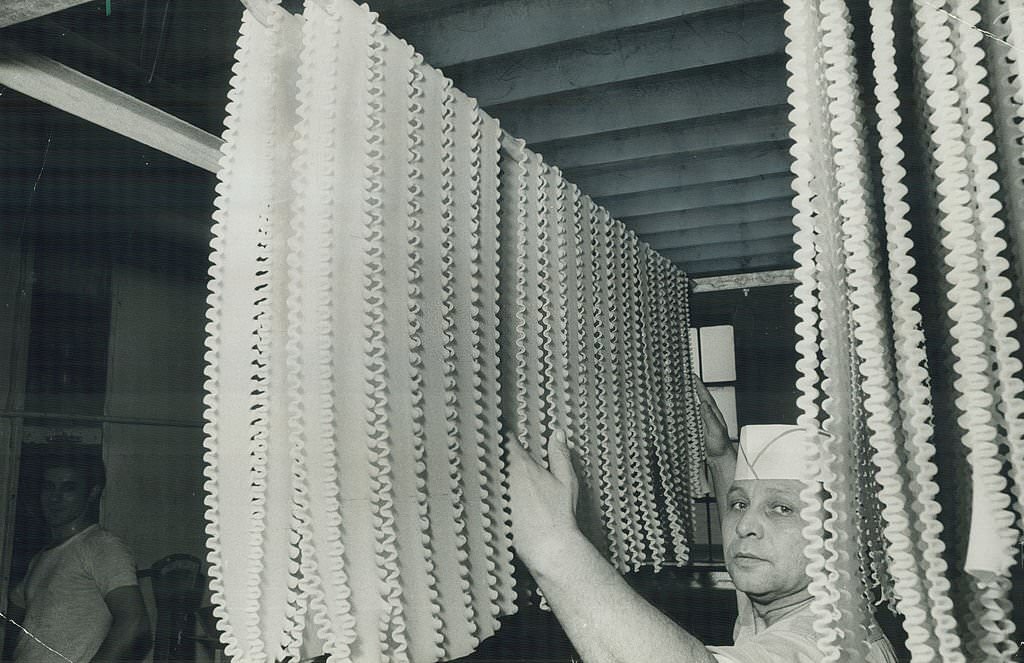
(356, 502)
(597, 346)
(389, 286)
(845, 256)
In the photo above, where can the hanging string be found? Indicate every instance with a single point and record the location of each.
(990, 35)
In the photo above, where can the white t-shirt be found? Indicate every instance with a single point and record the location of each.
(792, 639)
(63, 596)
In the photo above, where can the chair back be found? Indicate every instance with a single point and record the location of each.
(178, 586)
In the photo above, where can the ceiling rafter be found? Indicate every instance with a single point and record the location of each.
(749, 263)
(700, 135)
(700, 218)
(715, 38)
(683, 170)
(742, 281)
(744, 231)
(712, 194)
(731, 250)
(750, 84)
(486, 29)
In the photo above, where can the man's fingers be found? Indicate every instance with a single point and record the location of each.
(712, 409)
(559, 457)
(518, 455)
(708, 401)
(702, 391)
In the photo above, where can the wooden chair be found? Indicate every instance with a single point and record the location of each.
(178, 586)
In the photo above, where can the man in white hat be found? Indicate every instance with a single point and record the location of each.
(764, 553)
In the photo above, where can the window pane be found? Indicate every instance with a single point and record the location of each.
(717, 356)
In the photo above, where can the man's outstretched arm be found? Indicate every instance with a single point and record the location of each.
(606, 620)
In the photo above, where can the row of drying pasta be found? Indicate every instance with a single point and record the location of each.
(393, 293)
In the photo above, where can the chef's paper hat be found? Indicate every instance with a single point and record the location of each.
(773, 451)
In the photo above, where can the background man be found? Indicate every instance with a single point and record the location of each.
(80, 599)
(762, 536)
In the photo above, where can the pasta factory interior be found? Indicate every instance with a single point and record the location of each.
(326, 309)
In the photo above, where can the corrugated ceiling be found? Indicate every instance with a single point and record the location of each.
(671, 113)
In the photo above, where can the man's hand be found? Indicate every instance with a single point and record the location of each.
(543, 501)
(721, 454)
(716, 431)
(607, 621)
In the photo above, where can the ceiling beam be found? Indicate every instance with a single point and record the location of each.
(732, 250)
(392, 11)
(734, 232)
(744, 281)
(73, 92)
(724, 215)
(713, 38)
(48, 37)
(681, 171)
(772, 261)
(703, 134)
(480, 30)
(13, 12)
(714, 194)
(746, 85)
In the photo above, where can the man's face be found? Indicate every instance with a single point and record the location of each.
(64, 495)
(761, 534)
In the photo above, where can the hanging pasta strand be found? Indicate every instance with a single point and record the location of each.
(841, 288)
(801, 33)
(312, 425)
(248, 465)
(1005, 62)
(978, 308)
(595, 336)
(929, 615)
(661, 376)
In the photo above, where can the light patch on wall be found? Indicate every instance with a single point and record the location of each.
(717, 358)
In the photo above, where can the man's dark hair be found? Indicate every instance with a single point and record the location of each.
(88, 464)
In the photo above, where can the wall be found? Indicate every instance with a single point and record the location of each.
(14, 296)
(764, 325)
(154, 458)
